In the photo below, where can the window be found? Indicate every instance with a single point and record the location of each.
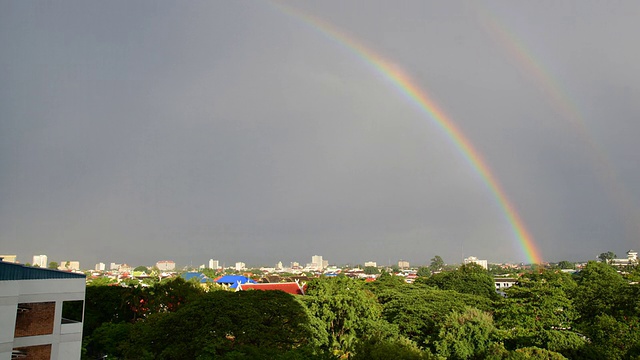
(72, 311)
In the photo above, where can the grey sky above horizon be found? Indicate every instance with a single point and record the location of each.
(138, 132)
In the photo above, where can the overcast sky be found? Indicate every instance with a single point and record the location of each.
(141, 131)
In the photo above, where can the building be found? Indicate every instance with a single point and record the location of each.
(114, 266)
(403, 264)
(8, 258)
(40, 261)
(474, 260)
(317, 262)
(100, 267)
(504, 283)
(370, 264)
(240, 266)
(41, 313)
(166, 265)
(69, 265)
(214, 264)
(632, 259)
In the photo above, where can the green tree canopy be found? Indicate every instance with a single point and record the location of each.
(469, 279)
(424, 271)
(606, 257)
(371, 270)
(250, 324)
(437, 264)
(53, 265)
(347, 311)
(564, 264)
(465, 335)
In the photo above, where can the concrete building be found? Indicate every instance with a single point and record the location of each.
(474, 260)
(100, 267)
(370, 264)
(166, 265)
(8, 258)
(240, 266)
(632, 259)
(403, 264)
(317, 262)
(114, 266)
(40, 260)
(214, 264)
(41, 313)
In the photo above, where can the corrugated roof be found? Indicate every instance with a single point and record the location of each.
(234, 280)
(290, 287)
(11, 271)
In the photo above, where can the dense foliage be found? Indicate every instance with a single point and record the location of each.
(548, 314)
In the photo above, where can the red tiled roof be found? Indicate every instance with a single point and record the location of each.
(290, 287)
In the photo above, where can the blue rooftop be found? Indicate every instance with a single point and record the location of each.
(11, 271)
(233, 280)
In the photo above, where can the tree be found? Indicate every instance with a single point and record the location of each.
(424, 271)
(371, 270)
(600, 290)
(564, 264)
(469, 279)
(347, 311)
(465, 334)
(538, 312)
(141, 268)
(437, 263)
(606, 257)
(53, 265)
(419, 311)
(222, 324)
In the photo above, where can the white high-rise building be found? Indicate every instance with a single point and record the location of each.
(114, 266)
(370, 264)
(214, 264)
(316, 261)
(100, 267)
(279, 265)
(474, 260)
(240, 266)
(40, 260)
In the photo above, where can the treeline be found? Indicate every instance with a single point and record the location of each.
(457, 314)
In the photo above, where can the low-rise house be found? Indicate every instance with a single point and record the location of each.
(504, 283)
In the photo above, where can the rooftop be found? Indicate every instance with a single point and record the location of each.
(11, 271)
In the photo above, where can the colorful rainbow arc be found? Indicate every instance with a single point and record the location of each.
(524, 58)
(420, 98)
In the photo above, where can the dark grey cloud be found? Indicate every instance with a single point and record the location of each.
(140, 132)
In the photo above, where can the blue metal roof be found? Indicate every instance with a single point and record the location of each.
(11, 271)
(234, 280)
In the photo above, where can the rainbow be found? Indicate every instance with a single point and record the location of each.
(404, 84)
(524, 58)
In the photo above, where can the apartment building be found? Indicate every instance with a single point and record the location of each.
(41, 313)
